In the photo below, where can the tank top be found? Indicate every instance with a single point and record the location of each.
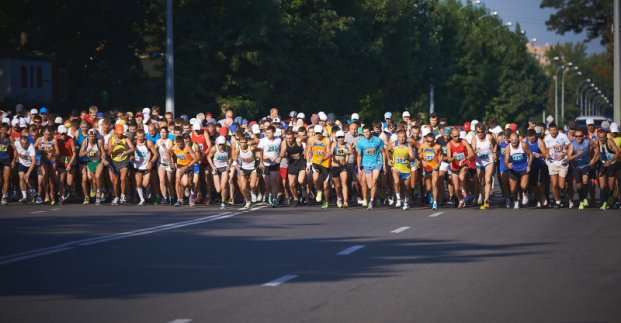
(459, 153)
(64, 148)
(201, 142)
(430, 155)
(6, 151)
(221, 158)
(295, 155)
(93, 154)
(483, 151)
(118, 147)
(503, 148)
(400, 158)
(518, 158)
(583, 160)
(618, 143)
(246, 159)
(162, 147)
(605, 152)
(142, 155)
(81, 137)
(46, 148)
(183, 157)
(535, 149)
(319, 149)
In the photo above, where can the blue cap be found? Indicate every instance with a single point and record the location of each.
(185, 117)
(43, 110)
(100, 114)
(447, 131)
(245, 121)
(238, 119)
(234, 127)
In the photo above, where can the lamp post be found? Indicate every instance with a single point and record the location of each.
(556, 59)
(579, 94)
(565, 71)
(587, 100)
(491, 14)
(584, 98)
(170, 69)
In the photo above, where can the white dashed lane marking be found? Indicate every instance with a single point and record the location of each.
(401, 229)
(280, 280)
(350, 250)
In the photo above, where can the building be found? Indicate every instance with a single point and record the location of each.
(26, 79)
(539, 52)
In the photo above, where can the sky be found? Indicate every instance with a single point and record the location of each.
(532, 19)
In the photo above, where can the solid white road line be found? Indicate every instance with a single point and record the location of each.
(258, 207)
(280, 280)
(401, 229)
(436, 214)
(96, 240)
(350, 250)
(35, 212)
(181, 321)
(56, 209)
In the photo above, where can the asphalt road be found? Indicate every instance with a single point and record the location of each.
(161, 264)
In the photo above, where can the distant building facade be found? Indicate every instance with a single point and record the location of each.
(26, 79)
(539, 52)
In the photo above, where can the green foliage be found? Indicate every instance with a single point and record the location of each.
(594, 16)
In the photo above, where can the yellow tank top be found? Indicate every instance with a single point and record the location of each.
(118, 148)
(319, 149)
(430, 155)
(183, 158)
(618, 143)
(400, 158)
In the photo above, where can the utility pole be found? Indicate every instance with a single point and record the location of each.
(170, 69)
(617, 63)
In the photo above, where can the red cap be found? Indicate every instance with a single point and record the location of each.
(209, 115)
(467, 126)
(224, 131)
(139, 114)
(513, 127)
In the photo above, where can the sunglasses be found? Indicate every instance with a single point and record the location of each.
(340, 137)
(455, 136)
(514, 140)
(579, 136)
(480, 131)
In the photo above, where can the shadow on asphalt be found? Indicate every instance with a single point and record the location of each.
(194, 259)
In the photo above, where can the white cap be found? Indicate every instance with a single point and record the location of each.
(496, 130)
(23, 123)
(200, 116)
(256, 129)
(277, 120)
(301, 116)
(100, 122)
(387, 115)
(590, 121)
(6, 120)
(196, 126)
(34, 111)
(15, 122)
(426, 131)
(62, 129)
(318, 129)
(146, 111)
(118, 121)
(58, 120)
(340, 133)
(462, 134)
(355, 116)
(220, 140)
(614, 127)
(323, 116)
(473, 123)
(405, 114)
(278, 132)
(192, 121)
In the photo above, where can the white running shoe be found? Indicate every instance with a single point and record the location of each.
(525, 199)
(405, 206)
(398, 204)
(516, 205)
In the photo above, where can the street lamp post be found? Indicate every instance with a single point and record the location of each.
(587, 100)
(565, 71)
(579, 94)
(170, 70)
(556, 88)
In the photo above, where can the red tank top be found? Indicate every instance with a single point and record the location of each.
(64, 148)
(459, 153)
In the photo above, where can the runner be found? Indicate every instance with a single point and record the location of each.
(269, 148)
(26, 163)
(93, 150)
(431, 157)
(319, 156)
(371, 157)
(47, 150)
(518, 161)
(119, 150)
(185, 158)
(245, 164)
(459, 152)
(145, 157)
(293, 150)
(341, 151)
(538, 169)
(555, 150)
(165, 170)
(608, 152)
(484, 146)
(7, 160)
(67, 156)
(400, 156)
(584, 172)
(220, 160)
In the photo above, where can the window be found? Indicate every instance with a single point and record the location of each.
(24, 76)
(39, 76)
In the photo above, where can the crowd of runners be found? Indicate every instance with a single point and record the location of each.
(153, 157)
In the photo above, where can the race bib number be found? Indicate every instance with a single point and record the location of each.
(370, 151)
(517, 157)
(4, 148)
(460, 156)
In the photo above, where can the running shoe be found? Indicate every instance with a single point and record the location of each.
(231, 202)
(318, 197)
(516, 205)
(192, 199)
(361, 202)
(4, 201)
(339, 202)
(23, 200)
(93, 193)
(364, 203)
(123, 199)
(405, 206)
(398, 204)
(345, 205)
(39, 200)
(325, 205)
(141, 203)
(525, 199)
(296, 203)
(557, 205)
(97, 200)
(434, 205)
(604, 206)
(222, 206)
(87, 201)
(570, 204)
(164, 201)
(247, 205)
(370, 206)
(539, 205)
(178, 203)
(461, 204)
(508, 202)
(115, 201)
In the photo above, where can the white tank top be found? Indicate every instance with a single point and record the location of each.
(246, 159)
(142, 155)
(92, 152)
(221, 158)
(163, 147)
(483, 152)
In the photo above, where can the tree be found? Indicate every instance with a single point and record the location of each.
(594, 16)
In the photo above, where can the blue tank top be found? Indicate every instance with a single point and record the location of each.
(503, 146)
(537, 161)
(81, 139)
(583, 160)
(6, 153)
(518, 158)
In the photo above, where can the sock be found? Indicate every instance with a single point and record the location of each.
(24, 195)
(398, 196)
(140, 193)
